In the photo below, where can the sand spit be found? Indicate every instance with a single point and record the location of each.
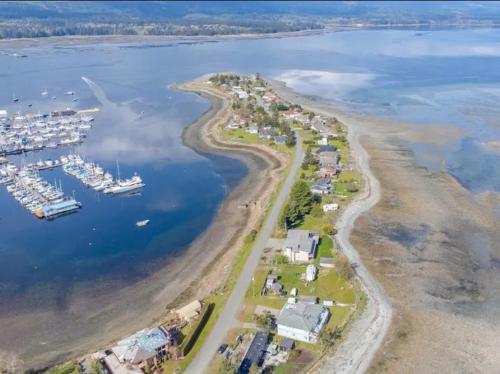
(434, 247)
(94, 316)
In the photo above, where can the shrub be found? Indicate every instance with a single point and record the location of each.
(329, 229)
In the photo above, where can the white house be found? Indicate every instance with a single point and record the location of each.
(311, 272)
(300, 245)
(302, 321)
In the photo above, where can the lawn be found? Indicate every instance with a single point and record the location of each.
(338, 316)
(325, 248)
(312, 223)
(329, 285)
(241, 135)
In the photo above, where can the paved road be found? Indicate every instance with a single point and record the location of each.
(227, 317)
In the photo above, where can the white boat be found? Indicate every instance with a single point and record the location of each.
(142, 223)
(127, 185)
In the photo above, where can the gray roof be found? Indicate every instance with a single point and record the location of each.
(301, 316)
(140, 346)
(301, 241)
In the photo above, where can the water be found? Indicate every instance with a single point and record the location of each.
(448, 78)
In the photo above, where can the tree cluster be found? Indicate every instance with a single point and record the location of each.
(300, 203)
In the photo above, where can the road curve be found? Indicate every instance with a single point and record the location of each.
(227, 317)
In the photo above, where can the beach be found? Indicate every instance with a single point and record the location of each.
(433, 247)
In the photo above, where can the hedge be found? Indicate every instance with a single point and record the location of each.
(188, 342)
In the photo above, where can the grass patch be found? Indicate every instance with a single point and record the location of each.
(325, 248)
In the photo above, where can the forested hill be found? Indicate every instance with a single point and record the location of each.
(47, 18)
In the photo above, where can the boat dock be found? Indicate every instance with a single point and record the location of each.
(35, 194)
(92, 175)
(34, 132)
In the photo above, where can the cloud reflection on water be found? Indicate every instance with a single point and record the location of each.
(325, 83)
(125, 135)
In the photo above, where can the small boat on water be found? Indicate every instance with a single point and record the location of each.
(142, 223)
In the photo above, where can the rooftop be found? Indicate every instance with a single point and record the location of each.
(140, 346)
(301, 241)
(301, 316)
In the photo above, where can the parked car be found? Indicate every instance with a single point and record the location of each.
(222, 348)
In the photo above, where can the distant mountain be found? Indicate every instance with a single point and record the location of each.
(49, 18)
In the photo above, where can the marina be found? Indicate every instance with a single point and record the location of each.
(34, 132)
(20, 134)
(36, 195)
(92, 175)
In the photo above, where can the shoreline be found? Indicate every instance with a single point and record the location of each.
(369, 329)
(432, 247)
(75, 40)
(202, 267)
(125, 39)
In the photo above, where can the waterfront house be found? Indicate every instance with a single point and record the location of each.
(302, 321)
(139, 351)
(319, 125)
(328, 160)
(322, 186)
(300, 245)
(266, 133)
(255, 354)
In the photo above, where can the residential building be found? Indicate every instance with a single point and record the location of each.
(302, 321)
(319, 125)
(266, 133)
(322, 186)
(328, 160)
(255, 353)
(300, 245)
(141, 350)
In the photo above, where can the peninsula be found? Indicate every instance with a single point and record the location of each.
(302, 177)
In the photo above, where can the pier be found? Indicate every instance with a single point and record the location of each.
(36, 195)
